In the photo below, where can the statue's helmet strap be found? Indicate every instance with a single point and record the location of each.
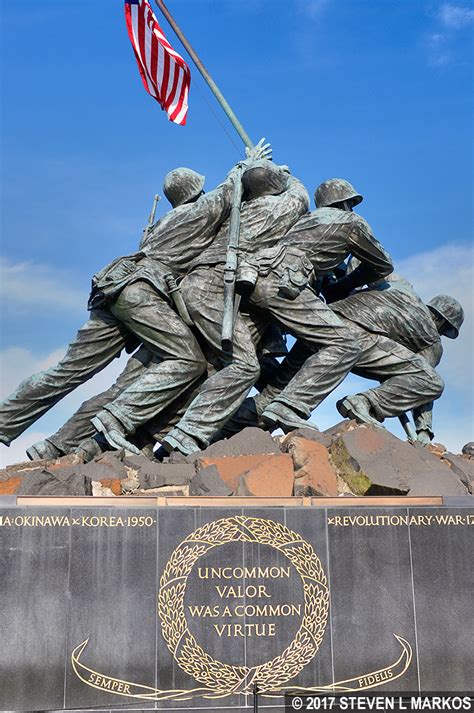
(182, 185)
(336, 190)
(451, 311)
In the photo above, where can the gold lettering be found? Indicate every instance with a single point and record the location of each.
(267, 610)
(203, 611)
(244, 572)
(250, 590)
(234, 630)
(377, 677)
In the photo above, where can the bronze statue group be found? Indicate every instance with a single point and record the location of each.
(320, 276)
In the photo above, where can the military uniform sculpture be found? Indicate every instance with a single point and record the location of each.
(400, 343)
(183, 386)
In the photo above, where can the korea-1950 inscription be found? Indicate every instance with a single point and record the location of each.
(182, 606)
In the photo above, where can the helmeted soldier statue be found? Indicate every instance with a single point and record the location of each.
(400, 346)
(273, 202)
(317, 242)
(314, 247)
(448, 316)
(130, 303)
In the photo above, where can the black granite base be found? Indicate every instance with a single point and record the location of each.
(184, 608)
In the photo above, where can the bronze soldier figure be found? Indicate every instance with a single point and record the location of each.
(315, 246)
(77, 433)
(203, 291)
(317, 242)
(400, 346)
(273, 201)
(130, 303)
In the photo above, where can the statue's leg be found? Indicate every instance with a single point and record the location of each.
(79, 426)
(97, 343)
(408, 380)
(249, 414)
(178, 360)
(334, 349)
(223, 392)
(159, 426)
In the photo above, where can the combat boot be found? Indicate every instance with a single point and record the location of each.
(177, 440)
(43, 450)
(279, 415)
(89, 448)
(358, 408)
(113, 432)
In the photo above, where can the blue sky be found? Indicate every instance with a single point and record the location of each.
(376, 92)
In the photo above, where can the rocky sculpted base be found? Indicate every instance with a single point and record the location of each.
(348, 459)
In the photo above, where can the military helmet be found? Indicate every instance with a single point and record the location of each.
(451, 311)
(335, 190)
(264, 178)
(181, 185)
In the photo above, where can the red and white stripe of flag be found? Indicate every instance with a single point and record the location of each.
(164, 72)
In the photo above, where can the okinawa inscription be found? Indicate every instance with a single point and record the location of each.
(188, 607)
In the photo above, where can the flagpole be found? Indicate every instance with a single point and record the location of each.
(207, 77)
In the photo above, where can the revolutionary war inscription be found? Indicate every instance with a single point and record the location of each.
(190, 607)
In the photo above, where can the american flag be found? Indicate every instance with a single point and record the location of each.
(164, 72)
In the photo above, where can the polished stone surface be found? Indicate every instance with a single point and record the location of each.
(443, 582)
(95, 574)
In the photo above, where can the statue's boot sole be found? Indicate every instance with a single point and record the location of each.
(114, 438)
(273, 419)
(350, 410)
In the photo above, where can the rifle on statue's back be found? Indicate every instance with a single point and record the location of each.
(230, 270)
(151, 219)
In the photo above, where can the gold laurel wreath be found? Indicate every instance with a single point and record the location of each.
(191, 657)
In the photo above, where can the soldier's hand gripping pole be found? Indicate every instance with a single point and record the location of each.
(230, 270)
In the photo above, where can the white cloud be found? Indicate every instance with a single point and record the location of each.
(440, 42)
(455, 17)
(18, 364)
(439, 54)
(16, 453)
(26, 285)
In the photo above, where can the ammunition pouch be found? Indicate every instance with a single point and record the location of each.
(269, 259)
(296, 272)
(254, 265)
(107, 283)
